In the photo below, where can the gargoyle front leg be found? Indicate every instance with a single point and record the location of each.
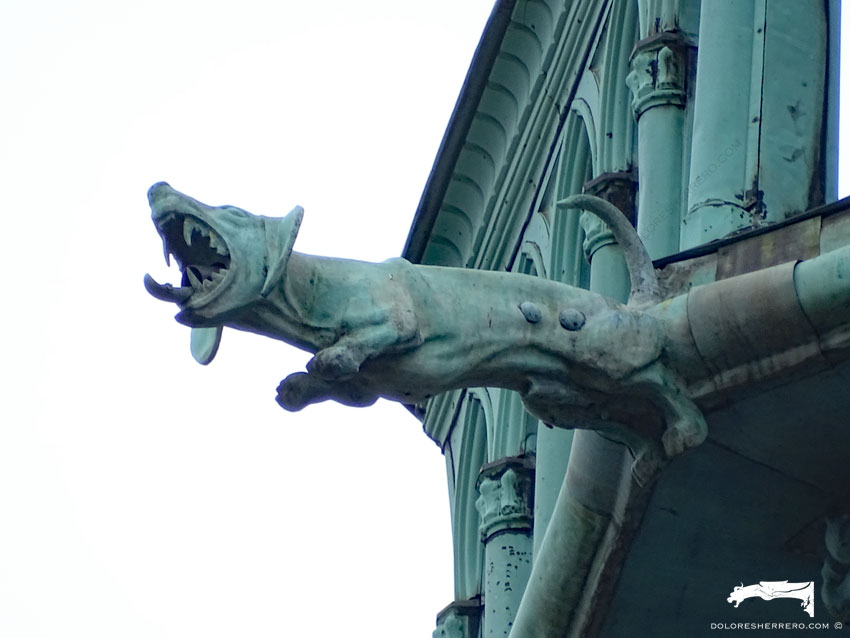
(300, 389)
(344, 358)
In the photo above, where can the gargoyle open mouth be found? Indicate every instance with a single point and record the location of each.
(201, 254)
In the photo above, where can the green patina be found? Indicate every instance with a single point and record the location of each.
(393, 329)
(742, 326)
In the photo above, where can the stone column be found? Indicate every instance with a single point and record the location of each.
(723, 193)
(505, 507)
(563, 567)
(658, 88)
(460, 619)
(759, 129)
(553, 453)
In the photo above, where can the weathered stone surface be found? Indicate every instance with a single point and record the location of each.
(408, 332)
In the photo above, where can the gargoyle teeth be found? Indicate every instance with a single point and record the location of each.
(217, 275)
(193, 278)
(217, 244)
(165, 253)
(187, 230)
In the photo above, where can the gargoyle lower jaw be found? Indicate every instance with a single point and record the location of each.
(167, 292)
(201, 254)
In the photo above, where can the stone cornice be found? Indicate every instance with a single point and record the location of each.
(528, 85)
(465, 111)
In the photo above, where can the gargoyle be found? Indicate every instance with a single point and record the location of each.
(407, 332)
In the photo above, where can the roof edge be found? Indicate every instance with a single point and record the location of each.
(455, 135)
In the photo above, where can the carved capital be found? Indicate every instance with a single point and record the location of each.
(617, 188)
(657, 76)
(505, 488)
(460, 619)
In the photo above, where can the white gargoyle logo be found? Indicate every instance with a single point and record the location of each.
(776, 589)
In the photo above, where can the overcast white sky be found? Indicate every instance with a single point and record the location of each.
(142, 494)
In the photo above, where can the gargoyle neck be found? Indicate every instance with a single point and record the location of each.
(285, 312)
(295, 294)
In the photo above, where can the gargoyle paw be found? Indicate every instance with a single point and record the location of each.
(294, 392)
(673, 441)
(683, 435)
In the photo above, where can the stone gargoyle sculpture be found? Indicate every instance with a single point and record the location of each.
(407, 332)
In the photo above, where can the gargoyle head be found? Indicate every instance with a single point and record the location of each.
(229, 259)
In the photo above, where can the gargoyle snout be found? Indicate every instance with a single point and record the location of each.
(158, 190)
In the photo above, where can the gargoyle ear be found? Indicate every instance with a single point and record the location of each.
(204, 343)
(280, 236)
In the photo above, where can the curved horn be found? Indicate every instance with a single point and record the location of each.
(644, 282)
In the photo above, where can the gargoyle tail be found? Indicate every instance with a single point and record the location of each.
(644, 283)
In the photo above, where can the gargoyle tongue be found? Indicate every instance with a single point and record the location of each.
(167, 292)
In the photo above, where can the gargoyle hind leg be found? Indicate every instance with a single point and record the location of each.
(685, 426)
(556, 404)
(300, 389)
(344, 358)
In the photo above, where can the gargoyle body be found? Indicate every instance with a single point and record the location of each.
(407, 332)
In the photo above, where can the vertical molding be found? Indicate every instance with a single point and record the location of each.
(610, 65)
(468, 444)
(754, 116)
(831, 101)
(568, 263)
